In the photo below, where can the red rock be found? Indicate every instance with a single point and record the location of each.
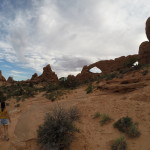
(48, 75)
(148, 28)
(10, 79)
(34, 77)
(106, 66)
(144, 53)
(2, 77)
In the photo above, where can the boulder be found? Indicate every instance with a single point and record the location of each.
(144, 53)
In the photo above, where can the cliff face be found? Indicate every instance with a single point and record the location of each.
(144, 49)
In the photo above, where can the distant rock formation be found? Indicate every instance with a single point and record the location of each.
(47, 76)
(2, 79)
(144, 49)
(106, 66)
(10, 80)
(34, 77)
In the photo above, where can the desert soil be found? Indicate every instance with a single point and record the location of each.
(92, 136)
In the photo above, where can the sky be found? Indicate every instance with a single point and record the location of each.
(67, 34)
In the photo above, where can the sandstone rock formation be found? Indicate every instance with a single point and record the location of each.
(106, 66)
(10, 80)
(34, 77)
(47, 76)
(2, 79)
(144, 49)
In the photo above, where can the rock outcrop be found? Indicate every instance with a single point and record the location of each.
(34, 77)
(10, 80)
(106, 66)
(144, 49)
(47, 76)
(2, 79)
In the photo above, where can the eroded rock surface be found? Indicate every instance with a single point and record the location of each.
(2, 77)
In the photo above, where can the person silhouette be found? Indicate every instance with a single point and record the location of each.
(4, 120)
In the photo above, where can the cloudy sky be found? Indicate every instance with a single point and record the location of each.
(67, 34)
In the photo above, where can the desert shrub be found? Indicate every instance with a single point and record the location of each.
(145, 72)
(74, 114)
(96, 115)
(17, 105)
(133, 130)
(89, 89)
(110, 76)
(125, 124)
(119, 144)
(58, 130)
(18, 99)
(52, 87)
(69, 82)
(54, 95)
(105, 119)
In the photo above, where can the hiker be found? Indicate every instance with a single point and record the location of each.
(4, 120)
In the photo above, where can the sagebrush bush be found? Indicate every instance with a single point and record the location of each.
(96, 115)
(119, 144)
(105, 119)
(58, 129)
(89, 89)
(125, 124)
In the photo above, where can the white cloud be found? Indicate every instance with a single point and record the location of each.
(65, 33)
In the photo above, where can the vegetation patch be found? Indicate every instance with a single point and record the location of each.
(145, 72)
(96, 115)
(126, 125)
(105, 118)
(119, 144)
(89, 89)
(58, 129)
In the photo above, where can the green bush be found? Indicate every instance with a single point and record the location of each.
(96, 115)
(69, 82)
(58, 129)
(125, 124)
(52, 87)
(89, 89)
(145, 72)
(105, 119)
(119, 144)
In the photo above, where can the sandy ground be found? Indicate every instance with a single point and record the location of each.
(92, 136)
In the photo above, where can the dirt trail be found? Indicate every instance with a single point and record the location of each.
(92, 136)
